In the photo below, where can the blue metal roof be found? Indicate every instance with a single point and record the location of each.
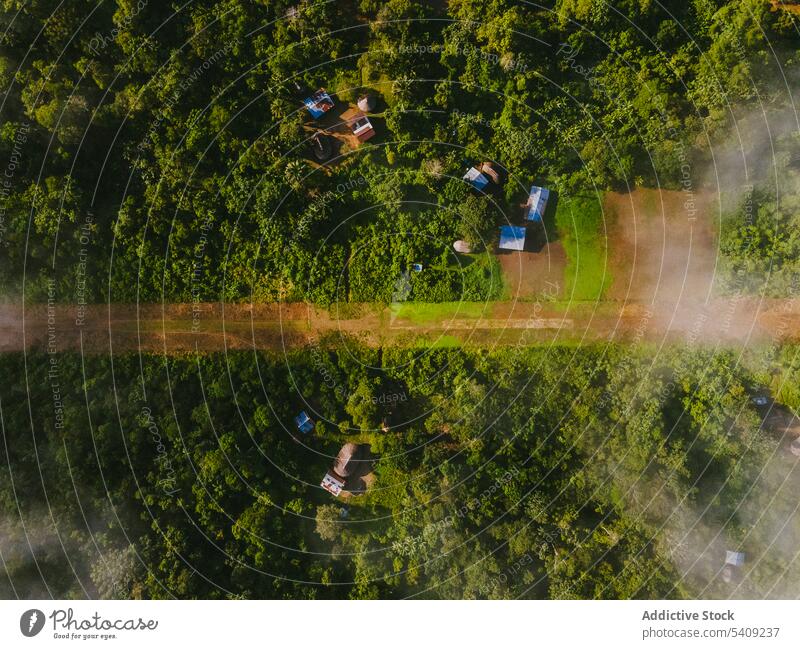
(537, 203)
(476, 178)
(304, 423)
(319, 103)
(512, 237)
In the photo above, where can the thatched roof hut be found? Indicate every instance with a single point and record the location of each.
(462, 246)
(347, 460)
(487, 169)
(362, 127)
(366, 103)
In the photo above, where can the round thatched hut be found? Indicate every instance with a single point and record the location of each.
(347, 461)
(321, 146)
(462, 246)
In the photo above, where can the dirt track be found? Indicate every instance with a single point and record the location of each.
(213, 327)
(662, 258)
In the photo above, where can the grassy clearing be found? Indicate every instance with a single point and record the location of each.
(443, 342)
(580, 226)
(423, 313)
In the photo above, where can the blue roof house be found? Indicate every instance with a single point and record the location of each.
(537, 203)
(734, 558)
(476, 178)
(319, 103)
(512, 237)
(304, 423)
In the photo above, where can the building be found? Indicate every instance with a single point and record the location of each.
(733, 563)
(487, 169)
(366, 103)
(345, 466)
(346, 463)
(332, 483)
(304, 423)
(362, 127)
(462, 246)
(537, 203)
(734, 558)
(321, 146)
(319, 103)
(512, 237)
(476, 178)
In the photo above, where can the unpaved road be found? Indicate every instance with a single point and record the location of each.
(662, 260)
(177, 328)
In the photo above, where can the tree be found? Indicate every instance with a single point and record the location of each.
(476, 224)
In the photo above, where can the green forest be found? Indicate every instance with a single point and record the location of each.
(162, 150)
(563, 473)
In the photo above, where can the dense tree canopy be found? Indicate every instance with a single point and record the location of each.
(604, 472)
(162, 151)
(179, 131)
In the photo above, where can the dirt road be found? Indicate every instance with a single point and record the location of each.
(177, 328)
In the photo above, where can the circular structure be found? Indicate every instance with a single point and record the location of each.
(321, 146)
(366, 103)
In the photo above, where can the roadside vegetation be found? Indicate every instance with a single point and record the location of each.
(179, 144)
(580, 466)
(163, 155)
(760, 240)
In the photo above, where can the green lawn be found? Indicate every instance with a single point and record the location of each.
(421, 313)
(579, 221)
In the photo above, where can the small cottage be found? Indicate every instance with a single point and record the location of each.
(733, 563)
(332, 483)
(362, 127)
(304, 423)
(319, 103)
(734, 558)
(476, 178)
(348, 470)
(537, 203)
